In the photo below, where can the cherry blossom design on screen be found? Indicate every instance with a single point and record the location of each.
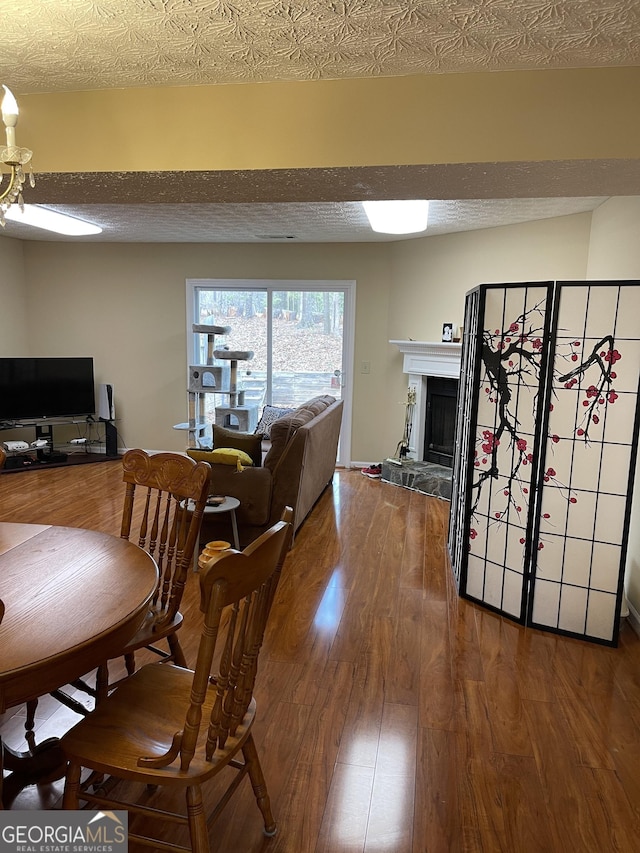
(511, 356)
(600, 393)
(508, 356)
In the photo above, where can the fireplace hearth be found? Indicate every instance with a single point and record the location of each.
(426, 477)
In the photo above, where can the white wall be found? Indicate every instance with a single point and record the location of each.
(614, 253)
(614, 242)
(15, 334)
(436, 273)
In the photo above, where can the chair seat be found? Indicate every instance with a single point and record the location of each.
(134, 722)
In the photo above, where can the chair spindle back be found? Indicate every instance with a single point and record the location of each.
(155, 515)
(237, 591)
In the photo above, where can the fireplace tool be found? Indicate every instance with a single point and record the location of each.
(404, 444)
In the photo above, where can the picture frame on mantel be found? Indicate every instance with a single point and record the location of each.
(448, 332)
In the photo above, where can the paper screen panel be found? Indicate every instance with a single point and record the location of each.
(505, 443)
(588, 450)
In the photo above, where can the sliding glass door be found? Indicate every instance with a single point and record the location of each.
(300, 334)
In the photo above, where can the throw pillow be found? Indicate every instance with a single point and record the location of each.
(223, 456)
(269, 415)
(250, 442)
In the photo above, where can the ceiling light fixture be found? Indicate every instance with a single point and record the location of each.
(12, 157)
(397, 217)
(51, 220)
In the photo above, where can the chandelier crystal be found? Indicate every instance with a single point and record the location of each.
(12, 159)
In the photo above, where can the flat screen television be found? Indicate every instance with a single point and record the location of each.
(34, 388)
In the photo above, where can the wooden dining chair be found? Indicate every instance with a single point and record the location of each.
(168, 727)
(158, 488)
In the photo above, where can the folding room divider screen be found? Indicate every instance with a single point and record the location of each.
(546, 443)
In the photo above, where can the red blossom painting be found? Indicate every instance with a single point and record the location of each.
(508, 356)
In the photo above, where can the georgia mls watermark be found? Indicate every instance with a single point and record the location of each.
(63, 832)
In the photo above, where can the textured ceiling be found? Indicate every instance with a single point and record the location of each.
(69, 45)
(59, 45)
(285, 222)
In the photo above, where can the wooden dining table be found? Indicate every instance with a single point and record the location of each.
(72, 599)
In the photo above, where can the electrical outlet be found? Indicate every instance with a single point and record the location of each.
(365, 367)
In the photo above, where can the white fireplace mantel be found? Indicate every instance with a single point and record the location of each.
(430, 358)
(421, 360)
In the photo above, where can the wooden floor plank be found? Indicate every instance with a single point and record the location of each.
(497, 641)
(437, 576)
(437, 823)
(302, 805)
(466, 660)
(614, 819)
(416, 535)
(522, 804)
(392, 800)
(438, 699)
(344, 826)
(567, 786)
(588, 731)
(534, 665)
(361, 733)
(403, 676)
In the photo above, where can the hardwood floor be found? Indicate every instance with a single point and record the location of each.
(394, 716)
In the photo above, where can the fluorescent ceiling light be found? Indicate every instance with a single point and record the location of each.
(397, 217)
(50, 220)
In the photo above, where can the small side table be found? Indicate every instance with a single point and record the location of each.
(229, 505)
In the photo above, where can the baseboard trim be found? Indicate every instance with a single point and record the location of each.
(633, 618)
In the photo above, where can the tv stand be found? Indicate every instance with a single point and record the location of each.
(98, 433)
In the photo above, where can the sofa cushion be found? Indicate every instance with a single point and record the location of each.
(285, 428)
(282, 431)
(268, 416)
(318, 404)
(250, 443)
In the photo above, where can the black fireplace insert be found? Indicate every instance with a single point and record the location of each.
(440, 424)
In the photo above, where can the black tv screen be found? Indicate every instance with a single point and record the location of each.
(46, 388)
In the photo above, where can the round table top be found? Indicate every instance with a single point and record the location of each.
(72, 597)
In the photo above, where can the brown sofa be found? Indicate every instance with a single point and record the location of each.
(299, 463)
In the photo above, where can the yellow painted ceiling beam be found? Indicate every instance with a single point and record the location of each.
(455, 118)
